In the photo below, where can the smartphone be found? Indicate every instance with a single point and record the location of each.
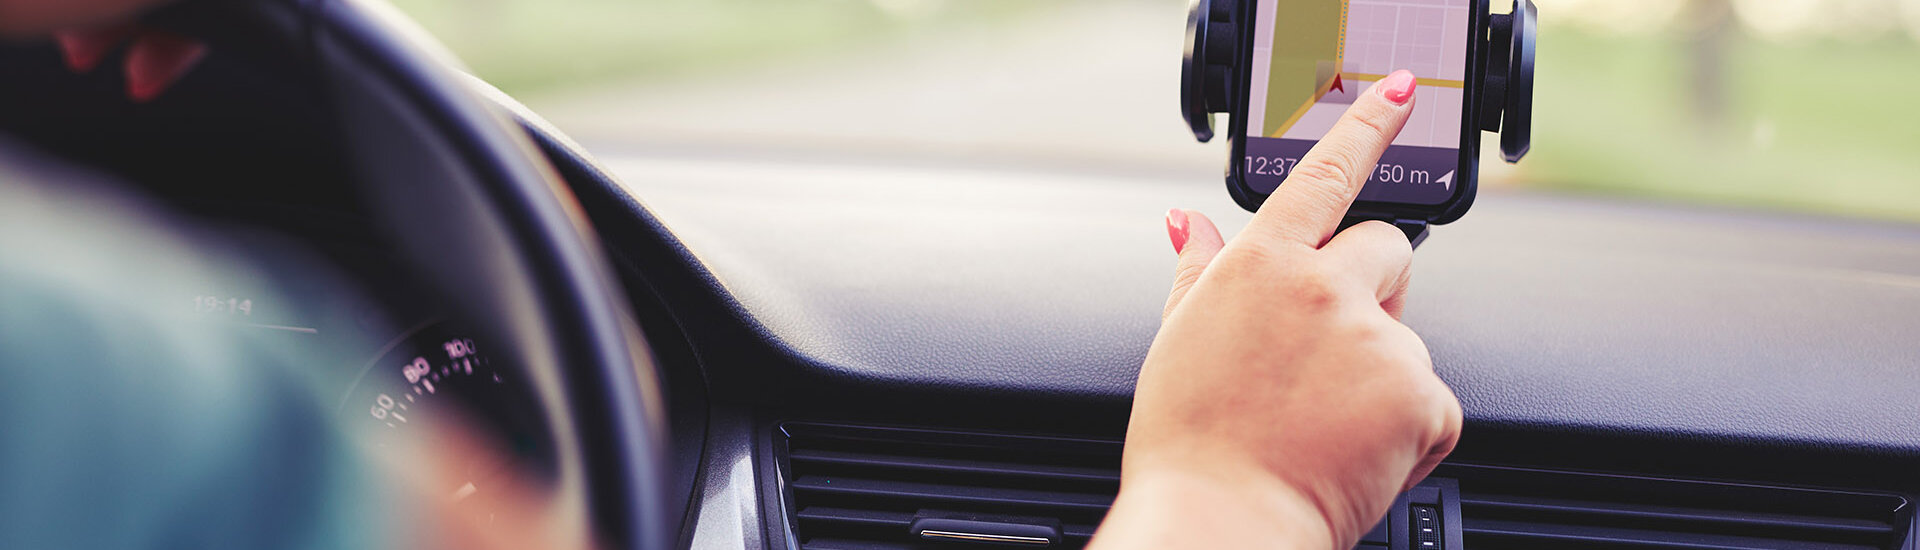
(1290, 69)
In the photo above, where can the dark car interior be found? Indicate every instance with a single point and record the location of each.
(748, 363)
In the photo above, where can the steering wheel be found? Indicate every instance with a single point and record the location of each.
(503, 233)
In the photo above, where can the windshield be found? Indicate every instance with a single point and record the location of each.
(1795, 105)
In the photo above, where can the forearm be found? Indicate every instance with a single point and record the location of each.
(1283, 403)
(1170, 510)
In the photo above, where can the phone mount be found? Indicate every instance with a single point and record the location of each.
(1506, 98)
(1506, 95)
(1206, 71)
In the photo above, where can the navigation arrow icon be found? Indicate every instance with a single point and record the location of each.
(1338, 86)
(1446, 181)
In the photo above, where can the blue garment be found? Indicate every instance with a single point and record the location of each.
(129, 420)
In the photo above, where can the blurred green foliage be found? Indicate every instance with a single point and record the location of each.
(1822, 126)
(522, 45)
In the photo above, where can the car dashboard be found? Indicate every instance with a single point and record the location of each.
(887, 343)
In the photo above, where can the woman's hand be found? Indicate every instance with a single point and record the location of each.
(1283, 404)
(90, 30)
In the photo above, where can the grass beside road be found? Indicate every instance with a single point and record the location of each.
(531, 45)
(1823, 127)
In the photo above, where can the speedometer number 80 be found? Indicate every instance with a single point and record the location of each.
(416, 370)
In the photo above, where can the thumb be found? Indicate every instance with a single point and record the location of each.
(1197, 241)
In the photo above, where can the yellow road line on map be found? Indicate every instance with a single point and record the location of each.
(1302, 111)
(1340, 51)
(1328, 88)
(1423, 81)
(1339, 61)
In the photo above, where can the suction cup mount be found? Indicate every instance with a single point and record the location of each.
(1206, 72)
(1507, 100)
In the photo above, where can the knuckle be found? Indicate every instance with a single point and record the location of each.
(1399, 245)
(1404, 386)
(1370, 332)
(1386, 237)
(1187, 274)
(1374, 229)
(1379, 333)
(1435, 395)
(1442, 412)
(1316, 276)
(1374, 123)
(1330, 168)
(1316, 287)
(1454, 414)
(1371, 226)
(1413, 403)
(1247, 263)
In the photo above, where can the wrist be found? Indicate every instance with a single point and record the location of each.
(1214, 508)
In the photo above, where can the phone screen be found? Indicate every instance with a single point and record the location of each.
(1311, 58)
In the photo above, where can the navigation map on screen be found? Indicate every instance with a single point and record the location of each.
(1312, 57)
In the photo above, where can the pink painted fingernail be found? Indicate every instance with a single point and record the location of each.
(157, 60)
(1177, 229)
(84, 49)
(1398, 87)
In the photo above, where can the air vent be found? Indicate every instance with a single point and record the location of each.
(863, 488)
(867, 488)
(1503, 508)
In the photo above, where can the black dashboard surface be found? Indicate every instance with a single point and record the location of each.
(1618, 322)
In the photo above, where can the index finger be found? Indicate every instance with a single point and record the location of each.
(1308, 206)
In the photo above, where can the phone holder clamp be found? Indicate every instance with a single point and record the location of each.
(1209, 68)
(1507, 99)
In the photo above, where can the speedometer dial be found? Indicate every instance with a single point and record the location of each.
(433, 385)
(454, 370)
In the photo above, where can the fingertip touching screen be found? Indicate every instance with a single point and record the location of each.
(1312, 58)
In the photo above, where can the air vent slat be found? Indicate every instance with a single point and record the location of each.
(862, 488)
(871, 518)
(1518, 508)
(945, 465)
(901, 520)
(1500, 535)
(952, 494)
(1615, 513)
(846, 544)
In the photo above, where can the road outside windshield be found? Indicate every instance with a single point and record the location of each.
(1780, 105)
(1311, 58)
